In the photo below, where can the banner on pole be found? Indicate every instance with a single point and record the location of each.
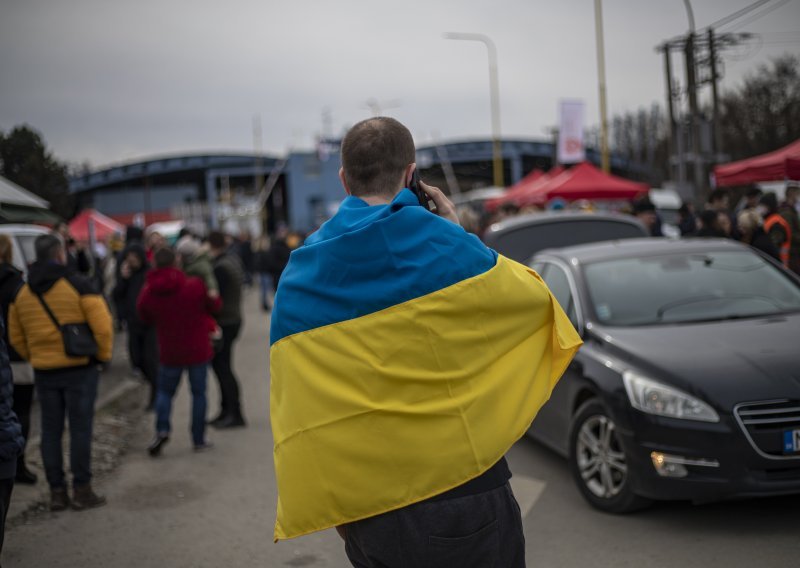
(570, 132)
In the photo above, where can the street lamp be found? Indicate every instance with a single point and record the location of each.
(494, 99)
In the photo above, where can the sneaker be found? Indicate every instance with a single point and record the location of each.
(204, 447)
(154, 449)
(59, 500)
(84, 498)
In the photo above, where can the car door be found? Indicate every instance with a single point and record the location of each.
(551, 425)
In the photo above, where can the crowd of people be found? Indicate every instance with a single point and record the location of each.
(180, 307)
(759, 219)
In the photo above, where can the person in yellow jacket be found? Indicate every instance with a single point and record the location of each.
(66, 385)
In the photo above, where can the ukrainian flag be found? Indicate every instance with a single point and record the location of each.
(406, 358)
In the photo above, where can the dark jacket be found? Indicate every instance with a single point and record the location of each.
(72, 299)
(11, 440)
(763, 243)
(10, 283)
(127, 290)
(180, 309)
(279, 258)
(230, 276)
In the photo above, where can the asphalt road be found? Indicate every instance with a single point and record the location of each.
(217, 508)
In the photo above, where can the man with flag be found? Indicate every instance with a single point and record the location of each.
(406, 358)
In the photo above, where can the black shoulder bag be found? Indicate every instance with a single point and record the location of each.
(78, 337)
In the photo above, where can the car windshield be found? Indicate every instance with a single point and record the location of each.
(680, 288)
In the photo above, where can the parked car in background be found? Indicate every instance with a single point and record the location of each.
(23, 237)
(688, 383)
(520, 237)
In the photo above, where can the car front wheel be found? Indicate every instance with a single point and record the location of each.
(598, 461)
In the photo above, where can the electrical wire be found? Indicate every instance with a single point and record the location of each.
(760, 14)
(738, 14)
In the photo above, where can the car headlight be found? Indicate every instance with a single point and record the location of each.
(653, 397)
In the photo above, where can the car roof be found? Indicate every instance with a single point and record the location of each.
(649, 246)
(19, 227)
(543, 217)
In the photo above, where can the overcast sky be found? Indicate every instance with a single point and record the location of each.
(108, 81)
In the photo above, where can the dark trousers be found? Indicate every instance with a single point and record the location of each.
(476, 531)
(6, 485)
(23, 400)
(67, 393)
(223, 369)
(168, 380)
(143, 351)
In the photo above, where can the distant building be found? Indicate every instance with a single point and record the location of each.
(304, 187)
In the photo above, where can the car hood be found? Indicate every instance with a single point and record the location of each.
(724, 362)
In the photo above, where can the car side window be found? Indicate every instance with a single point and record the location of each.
(558, 282)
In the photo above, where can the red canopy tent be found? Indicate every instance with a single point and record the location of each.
(515, 191)
(585, 181)
(529, 194)
(779, 165)
(104, 226)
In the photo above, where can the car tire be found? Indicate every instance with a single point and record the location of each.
(599, 463)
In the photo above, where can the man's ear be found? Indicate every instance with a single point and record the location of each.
(344, 182)
(408, 173)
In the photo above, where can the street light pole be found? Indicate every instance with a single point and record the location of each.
(601, 84)
(494, 99)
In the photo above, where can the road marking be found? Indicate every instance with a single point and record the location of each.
(527, 490)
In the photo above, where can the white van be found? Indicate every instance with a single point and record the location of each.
(23, 238)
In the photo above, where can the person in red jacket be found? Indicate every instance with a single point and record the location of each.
(179, 308)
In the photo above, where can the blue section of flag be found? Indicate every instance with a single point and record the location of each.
(368, 258)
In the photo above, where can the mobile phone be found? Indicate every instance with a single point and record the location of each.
(423, 198)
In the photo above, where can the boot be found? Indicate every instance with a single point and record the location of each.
(232, 420)
(24, 475)
(84, 498)
(59, 500)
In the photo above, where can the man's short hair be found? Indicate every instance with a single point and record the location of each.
(47, 247)
(217, 240)
(164, 257)
(375, 153)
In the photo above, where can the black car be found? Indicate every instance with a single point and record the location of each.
(688, 382)
(520, 237)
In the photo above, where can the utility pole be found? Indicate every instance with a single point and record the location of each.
(716, 139)
(601, 83)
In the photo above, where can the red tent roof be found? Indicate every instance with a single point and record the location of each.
(515, 191)
(585, 181)
(529, 194)
(774, 166)
(104, 226)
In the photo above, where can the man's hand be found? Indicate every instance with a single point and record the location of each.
(444, 207)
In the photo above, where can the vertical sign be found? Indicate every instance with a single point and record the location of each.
(570, 135)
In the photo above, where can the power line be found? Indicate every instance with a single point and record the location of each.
(738, 13)
(761, 14)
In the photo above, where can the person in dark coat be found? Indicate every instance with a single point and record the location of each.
(10, 283)
(142, 340)
(687, 221)
(752, 232)
(279, 253)
(712, 224)
(11, 440)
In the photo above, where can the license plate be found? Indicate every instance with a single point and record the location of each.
(791, 441)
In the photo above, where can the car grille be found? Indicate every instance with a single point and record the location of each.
(765, 422)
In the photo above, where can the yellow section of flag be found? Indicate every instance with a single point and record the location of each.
(388, 409)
